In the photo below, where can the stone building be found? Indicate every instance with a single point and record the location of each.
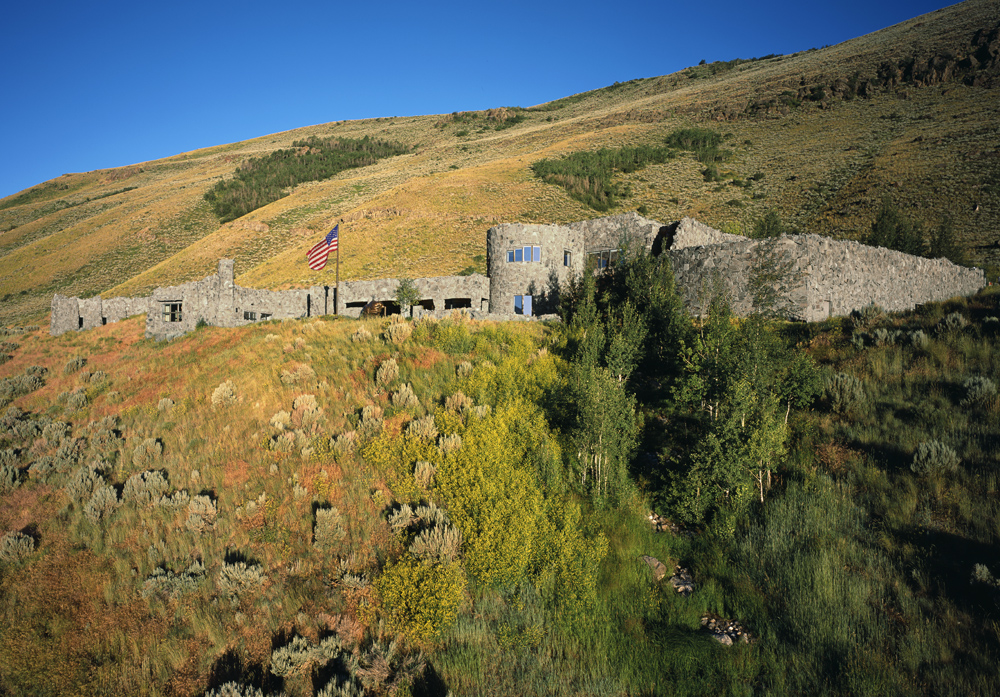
(527, 262)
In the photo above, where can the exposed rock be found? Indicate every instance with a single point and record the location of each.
(656, 566)
(682, 581)
(726, 632)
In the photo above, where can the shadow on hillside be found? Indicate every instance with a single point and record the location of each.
(229, 667)
(948, 561)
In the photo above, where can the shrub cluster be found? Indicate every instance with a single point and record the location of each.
(103, 503)
(10, 476)
(15, 547)
(147, 452)
(301, 373)
(404, 398)
(844, 393)
(30, 380)
(168, 584)
(934, 458)
(202, 511)
(237, 579)
(329, 528)
(263, 180)
(74, 365)
(423, 427)
(145, 488)
(371, 422)
(978, 390)
(361, 335)
(224, 394)
(299, 655)
(398, 332)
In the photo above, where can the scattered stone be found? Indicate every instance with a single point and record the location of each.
(682, 581)
(726, 632)
(656, 566)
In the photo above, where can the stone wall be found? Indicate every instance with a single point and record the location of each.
(688, 232)
(829, 277)
(437, 294)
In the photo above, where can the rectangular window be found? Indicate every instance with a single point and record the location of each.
(264, 315)
(172, 312)
(252, 316)
(536, 253)
(510, 255)
(522, 305)
(567, 258)
(518, 255)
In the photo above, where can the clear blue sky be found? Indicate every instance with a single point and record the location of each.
(105, 84)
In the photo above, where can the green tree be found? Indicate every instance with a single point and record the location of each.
(407, 295)
(892, 230)
(944, 244)
(768, 226)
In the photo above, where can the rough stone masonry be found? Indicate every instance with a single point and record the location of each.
(527, 262)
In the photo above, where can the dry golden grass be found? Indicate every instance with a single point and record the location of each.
(933, 149)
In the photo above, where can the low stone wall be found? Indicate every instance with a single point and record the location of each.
(828, 277)
(440, 294)
(688, 232)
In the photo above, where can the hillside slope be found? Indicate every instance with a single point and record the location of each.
(821, 136)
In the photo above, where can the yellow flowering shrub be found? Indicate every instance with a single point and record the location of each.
(418, 599)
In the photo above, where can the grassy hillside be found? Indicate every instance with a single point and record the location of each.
(821, 136)
(393, 508)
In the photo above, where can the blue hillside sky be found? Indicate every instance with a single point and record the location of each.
(95, 85)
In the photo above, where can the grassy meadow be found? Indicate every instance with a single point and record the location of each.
(375, 507)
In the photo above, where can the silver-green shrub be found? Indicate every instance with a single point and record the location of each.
(82, 484)
(235, 689)
(952, 323)
(464, 370)
(845, 392)
(76, 400)
(102, 504)
(225, 394)
(168, 584)
(15, 547)
(449, 444)
(387, 373)
(10, 478)
(202, 511)
(458, 402)
(165, 405)
(404, 398)
(439, 543)
(423, 473)
(74, 365)
(361, 335)
(919, 340)
(329, 527)
(147, 452)
(934, 458)
(978, 390)
(371, 422)
(398, 332)
(301, 373)
(54, 432)
(97, 377)
(347, 687)
(300, 655)
(423, 427)
(178, 499)
(145, 488)
(238, 579)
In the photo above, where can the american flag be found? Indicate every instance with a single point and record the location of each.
(318, 255)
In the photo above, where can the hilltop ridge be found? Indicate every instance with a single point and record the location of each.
(821, 136)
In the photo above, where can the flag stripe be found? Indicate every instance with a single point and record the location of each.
(320, 253)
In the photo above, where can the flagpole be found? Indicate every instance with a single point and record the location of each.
(336, 309)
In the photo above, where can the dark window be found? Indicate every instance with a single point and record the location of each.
(362, 303)
(567, 258)
(80, 322)
(264, 315)
(172, 312)
(510, 255)
(252, 316)
(457, 303)
(605, 258)
(104, 320)
(428, 305)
